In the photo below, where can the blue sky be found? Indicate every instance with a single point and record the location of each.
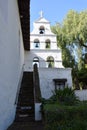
(54, 10)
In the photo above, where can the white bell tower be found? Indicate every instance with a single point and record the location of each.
(43, 45)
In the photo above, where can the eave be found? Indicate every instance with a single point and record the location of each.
(24, 6)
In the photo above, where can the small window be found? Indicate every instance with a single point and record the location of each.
(41, 30)
(47, 44)
(59, 83)
(36, 43)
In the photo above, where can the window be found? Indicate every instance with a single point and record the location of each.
(36, 43)
(47, 45)
(50, 62)
(36, 61)
(59, 83)
(41, 30)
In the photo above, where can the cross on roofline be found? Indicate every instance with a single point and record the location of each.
(41, 13)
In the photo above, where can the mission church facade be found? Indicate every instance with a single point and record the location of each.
(43, 46)
(47, 55)
(19, 52)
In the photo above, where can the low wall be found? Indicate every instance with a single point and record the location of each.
(47, 75)
(81, 94)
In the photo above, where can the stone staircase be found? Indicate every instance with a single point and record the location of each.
(25, 114)
(25, 106)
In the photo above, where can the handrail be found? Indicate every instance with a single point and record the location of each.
(37, 91)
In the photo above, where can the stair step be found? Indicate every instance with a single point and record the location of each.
(28, 100)
(25, 112)
(26, 97)
(25, 115)
(25, 105)
(29, 90)
(24, 118)
(25, 94)
(25, 108)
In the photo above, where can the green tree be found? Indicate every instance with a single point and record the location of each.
(72, 39)
(67, 51)
(75, 27)
(75, 30)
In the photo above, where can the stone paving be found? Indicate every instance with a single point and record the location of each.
(27, 126)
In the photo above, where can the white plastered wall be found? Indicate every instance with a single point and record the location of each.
(42, 55)
(11, 60)
(47, 75)
(81, 94)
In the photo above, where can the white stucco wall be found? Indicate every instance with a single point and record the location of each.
(41, 22)
(38, 115)
(81, 94)
(41, 52)
(42, 56)
(42, 39)
(11, 60)
(48, 34)
(47, 75)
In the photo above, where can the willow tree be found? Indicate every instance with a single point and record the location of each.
(73, 32)
(72, 38)
(67, 57)
(75, 27)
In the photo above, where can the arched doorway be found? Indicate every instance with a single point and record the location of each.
(36, 61)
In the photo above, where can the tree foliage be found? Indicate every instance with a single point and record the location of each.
(75, 27)
(72, 39)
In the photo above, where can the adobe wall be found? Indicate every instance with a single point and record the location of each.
(47, 75)
(11, 60)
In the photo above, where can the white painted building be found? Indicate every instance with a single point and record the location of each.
(11, 59)
(43, 46)
(12, 51)
(44, 52)
(47, 76)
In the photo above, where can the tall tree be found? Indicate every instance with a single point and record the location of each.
(67, 51)
(72, 33)
(72, 39)
(75, 27)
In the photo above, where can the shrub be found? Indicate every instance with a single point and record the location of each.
(65, 96)
(60, 117)
(63, 111)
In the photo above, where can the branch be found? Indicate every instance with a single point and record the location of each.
(82, 44)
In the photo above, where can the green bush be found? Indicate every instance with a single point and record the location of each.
(60, 117)
(63, 111)
(65, 96)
